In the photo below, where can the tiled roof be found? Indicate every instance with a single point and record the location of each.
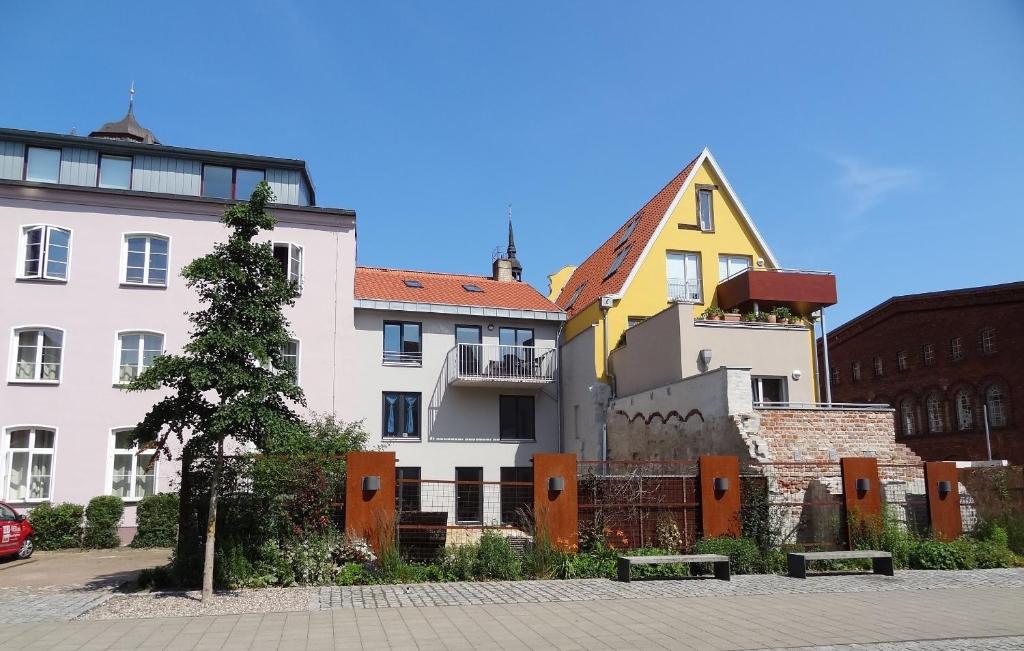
(381, 284)
(594, 269)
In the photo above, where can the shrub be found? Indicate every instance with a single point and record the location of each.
(932, 555)
(354, 574)
(744, 556)
(102, 518)
(885, 533)
(459, 563)
(157, 520)
(496, 559)
(989, 554)
(353, 550)
(598, 564)
(310, 558)
(667, 533)
(57, 527)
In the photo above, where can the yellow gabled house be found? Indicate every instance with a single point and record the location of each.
(691, 247)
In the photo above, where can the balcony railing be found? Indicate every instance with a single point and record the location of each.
(491, 364)
(682, 290)
(395, 358)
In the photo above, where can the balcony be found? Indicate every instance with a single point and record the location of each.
(802, 292)
(492, 365)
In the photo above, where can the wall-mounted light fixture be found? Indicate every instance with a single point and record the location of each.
(705, 358)
(797, 374)
(556, 484)
(945, 488)
(863, 485)
(371, 483)
(721, 484)
(490, 327)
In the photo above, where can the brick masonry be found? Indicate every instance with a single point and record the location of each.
(906, 324)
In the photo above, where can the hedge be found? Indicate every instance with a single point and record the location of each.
(102, 518)
(157, 520)
(57, 527)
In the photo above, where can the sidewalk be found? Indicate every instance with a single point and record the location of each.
(947, 616)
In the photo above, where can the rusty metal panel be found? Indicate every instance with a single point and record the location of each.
(556, 510)
(943, 507)
(370, 514)
(720, 508)
(864, 505)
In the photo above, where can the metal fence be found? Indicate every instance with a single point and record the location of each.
(904, 496)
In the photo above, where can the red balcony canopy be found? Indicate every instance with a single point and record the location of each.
(802, 292)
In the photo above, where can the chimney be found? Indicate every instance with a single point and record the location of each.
(501, 270)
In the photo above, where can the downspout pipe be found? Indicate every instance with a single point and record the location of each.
(827, 380)
(611, 383)
(558, 388)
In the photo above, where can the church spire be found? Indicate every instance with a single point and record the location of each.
(510, 252)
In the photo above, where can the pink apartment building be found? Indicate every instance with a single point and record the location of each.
(95, 231)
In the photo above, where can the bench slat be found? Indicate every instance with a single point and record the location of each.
(839, 555)
(688, 558)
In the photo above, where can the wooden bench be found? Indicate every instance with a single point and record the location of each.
(721, 563)
(881, 562)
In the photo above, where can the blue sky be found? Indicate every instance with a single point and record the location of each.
(883, 141)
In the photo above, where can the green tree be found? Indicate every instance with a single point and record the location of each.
(231, 380)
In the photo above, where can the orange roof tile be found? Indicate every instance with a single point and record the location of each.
(591, 273)
(381, 284)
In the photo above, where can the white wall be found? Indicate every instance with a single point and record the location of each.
(92, 306)
(584, 400)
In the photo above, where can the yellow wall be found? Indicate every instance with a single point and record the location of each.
(647, 294)
(557, 280)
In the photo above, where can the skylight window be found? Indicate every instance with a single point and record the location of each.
(575, 296)
(630, 227)
(411, 282)
(471, 287)
(617, 262)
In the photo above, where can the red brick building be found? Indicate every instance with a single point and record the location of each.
(938, 359)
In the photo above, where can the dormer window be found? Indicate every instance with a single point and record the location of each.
(115, 172)
(42, 164)
(221, 182)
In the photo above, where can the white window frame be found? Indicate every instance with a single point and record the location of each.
(298, 358)
(292, 248)
(60, 160)
(996, 416)
(907, 417)
(964, 412)
(99, 171)
(759, 381)
(117, 349)
(112, 451)
(956, 349)
(123, 268)
(708, 227)
(987, 338)
(936, 418)
(682, 292)
(729, 259)
(44, 254)
(5, 459)
(877, 366)
(12, 376)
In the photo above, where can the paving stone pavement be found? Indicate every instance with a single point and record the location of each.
(509, 592)
(53, 603)
(954, 644)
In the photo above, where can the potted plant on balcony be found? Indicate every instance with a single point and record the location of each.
(749, 317)
(712, 313)
(795, 320)
(782, 314)
(765, 317)
(732, 315)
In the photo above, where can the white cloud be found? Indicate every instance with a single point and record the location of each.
(866, 186)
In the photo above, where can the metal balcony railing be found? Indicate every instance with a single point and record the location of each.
(396, 358)
(483, 363)
(682, 290)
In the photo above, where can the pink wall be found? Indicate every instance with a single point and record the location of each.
(92, 306)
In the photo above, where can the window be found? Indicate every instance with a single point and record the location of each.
(768, 389)
(617, 262)
(42, 165)
(683, 271)
(987, 341)
(517, 349)
(246, 181)
(630, 227)
(995, 401)
(138, 350)
(402, 343)
(936, 417)
(407, 488)
(928, 354)
(907, 417)
(705, 208)
(290, 355)
(855, 371)
(28, 464)
(469, 495)
(468, 339)
(401, 415)
(575, 296)
(901, 360)
(217, 182)
(633, 321)
(37, 355)
(133, 471)
(834, 372)
(115, 172)
(516, 418)
(144, 260)
(472, 287)
(289, 256)
(45, 252)
(956, 349)
(964, 413)
(876, 366)
(414, 284)
(729, 265)
(516, 494)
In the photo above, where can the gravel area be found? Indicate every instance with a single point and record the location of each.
(188, 604)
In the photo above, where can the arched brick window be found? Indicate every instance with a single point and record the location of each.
(995, 399)
(964, 411)
(936, 417)
(907, 417)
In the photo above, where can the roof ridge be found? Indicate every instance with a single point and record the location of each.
(422, 271)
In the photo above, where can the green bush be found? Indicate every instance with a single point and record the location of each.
(989, 554)
(744, 556)
(885, 533)
(354, 574)
(57, 527)
(102, 518)
(597, 564)
(157, 519)
(496, 560)
(933, 555)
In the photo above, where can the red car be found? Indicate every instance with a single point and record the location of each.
(15, 533)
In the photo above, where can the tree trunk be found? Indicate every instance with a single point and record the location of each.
(211, 524)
